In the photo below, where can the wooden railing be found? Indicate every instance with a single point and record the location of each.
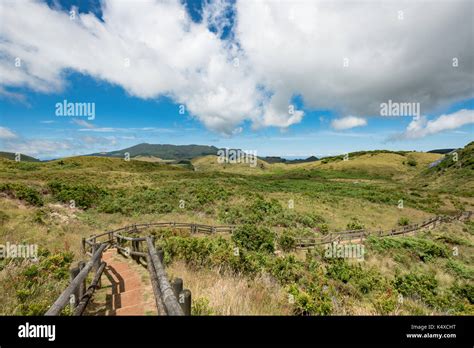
(75, 294)
(170, 297)
(336, 237)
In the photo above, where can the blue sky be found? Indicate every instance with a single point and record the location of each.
(126, 115)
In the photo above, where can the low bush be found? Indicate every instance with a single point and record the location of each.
(459, 269)
(200, 306)
(385, 302)
(355, 224)
(254, 238)
(84, 195)
(403, 221)
(311, 301)
(423, 248)
(418, 286)
(286, 241)
(22, 192)
(286, 269)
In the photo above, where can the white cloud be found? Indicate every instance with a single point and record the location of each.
(83, 123)
(348, 122)
(6, 133)
(34, 147)
(284, 50)
(421, 126)
(298, 48)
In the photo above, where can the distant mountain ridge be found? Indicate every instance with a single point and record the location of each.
(441, 151)
(183, 152)
(163, 151)
(276, 159)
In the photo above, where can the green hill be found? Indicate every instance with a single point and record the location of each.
(11, 156)
(453, 173)
(163, 151)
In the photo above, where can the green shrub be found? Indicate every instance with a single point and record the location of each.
(251, 237)
(403, 221)
(425, 249)
(286, 269)
(200, 306)
(412, 162)
(340, 270)
(464, 291)
(37, 285)
(286, 242)
(22, 192)
(367, 280)
(384, 302)
(422, 286)
(323, 228)
(212, 252)
(84, 195)
(355, 224)
(312, 301)
(459, 269)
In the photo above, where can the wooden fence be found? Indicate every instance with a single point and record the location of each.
(170, 297)
(336, 237)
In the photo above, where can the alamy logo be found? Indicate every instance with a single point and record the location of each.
(75, 109)
(399, 109)
(345, 251)
(23, 251)
(37, 331)
(237, 156)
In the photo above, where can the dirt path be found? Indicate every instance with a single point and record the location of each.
(126, 288)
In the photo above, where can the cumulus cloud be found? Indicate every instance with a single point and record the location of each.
(159, 51)
(48, 147)
(301, 48)
(83, 123)
(348, 122)
(6, 133)
(34, 147)
(420, 126)
(276, 51)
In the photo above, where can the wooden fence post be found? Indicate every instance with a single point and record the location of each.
(177, 285)
(184, 299)
(97, 263)
(133, 249)
(83, 243)
(73, 272)
(136, 247)
(160, 254)
(82, 287)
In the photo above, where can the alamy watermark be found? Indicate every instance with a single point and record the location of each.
(14, 251)
(76, 109)
(345, 251)
(237, 156)
(399, 109)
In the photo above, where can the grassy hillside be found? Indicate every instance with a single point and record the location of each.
(272, 204)
(378, 164)
(453, 174)
(23, 157)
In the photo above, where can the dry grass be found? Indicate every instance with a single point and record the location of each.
(233, 295)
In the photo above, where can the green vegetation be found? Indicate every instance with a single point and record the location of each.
(22, 192)
(57, 203)
(32, 286)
